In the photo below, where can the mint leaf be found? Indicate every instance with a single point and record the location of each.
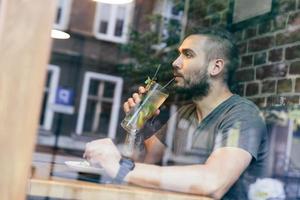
(148, 81)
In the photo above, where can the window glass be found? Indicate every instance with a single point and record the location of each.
(105, 13)
(121, 14)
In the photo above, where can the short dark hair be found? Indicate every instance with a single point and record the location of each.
(221, 44)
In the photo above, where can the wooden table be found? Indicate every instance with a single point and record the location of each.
(54, 185)
(74, 189)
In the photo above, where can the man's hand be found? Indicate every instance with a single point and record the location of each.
(103, 152)
(135, 99)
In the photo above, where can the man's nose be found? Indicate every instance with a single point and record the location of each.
(177, 63)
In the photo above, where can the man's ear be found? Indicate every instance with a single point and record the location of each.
(217, 67)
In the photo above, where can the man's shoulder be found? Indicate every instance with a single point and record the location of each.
(239, 102)
(245, 110)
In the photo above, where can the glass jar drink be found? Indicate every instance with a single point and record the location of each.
(138, 116)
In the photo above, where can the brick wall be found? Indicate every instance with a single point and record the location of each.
(82, 16)
(269, 51)
(269, 69)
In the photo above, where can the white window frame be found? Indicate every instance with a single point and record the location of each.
(113, 122)
(49, 113)
(65, 15)
(109, 36)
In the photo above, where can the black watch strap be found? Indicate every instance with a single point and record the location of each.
(126, 165)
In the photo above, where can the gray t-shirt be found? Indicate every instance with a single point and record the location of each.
(236, 122)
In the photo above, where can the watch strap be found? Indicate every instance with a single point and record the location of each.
(126, 165)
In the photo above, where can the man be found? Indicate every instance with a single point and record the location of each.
(225, 129)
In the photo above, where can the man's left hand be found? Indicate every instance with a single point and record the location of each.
(103, 152)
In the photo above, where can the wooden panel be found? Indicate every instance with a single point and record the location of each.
(25, 27)
(69, 189)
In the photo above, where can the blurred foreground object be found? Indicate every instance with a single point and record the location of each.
(25, 28)
(266, 188)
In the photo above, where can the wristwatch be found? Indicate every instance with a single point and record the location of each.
(126, 165)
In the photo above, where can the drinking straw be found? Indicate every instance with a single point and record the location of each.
(157, 69)
(166, 85)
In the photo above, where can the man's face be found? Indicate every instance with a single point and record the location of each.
(190, 67)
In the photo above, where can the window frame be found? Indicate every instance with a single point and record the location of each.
(65, 15)
(109, 36)
(49, 112)
(113, 122)
(236, 26)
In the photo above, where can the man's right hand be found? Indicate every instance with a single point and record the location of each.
(135, 99)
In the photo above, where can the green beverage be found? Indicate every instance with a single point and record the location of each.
(142, 112)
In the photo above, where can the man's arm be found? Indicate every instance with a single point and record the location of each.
(154, 150)
(221, 170)
(214, 178)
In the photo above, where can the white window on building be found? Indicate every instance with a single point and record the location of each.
(47, 113)
(112, 22)
(62, 14)
(99, 105)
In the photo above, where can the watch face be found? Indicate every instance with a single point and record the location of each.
(127, 163)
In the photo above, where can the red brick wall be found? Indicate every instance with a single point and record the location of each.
(269, 51)
(143, 8)
(82, 16)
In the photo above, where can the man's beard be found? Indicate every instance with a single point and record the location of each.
(196, 90)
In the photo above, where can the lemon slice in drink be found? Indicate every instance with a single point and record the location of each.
(141, 120)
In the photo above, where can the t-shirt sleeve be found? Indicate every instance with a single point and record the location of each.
(242, 127)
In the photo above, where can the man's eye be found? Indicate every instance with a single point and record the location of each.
(188, 55)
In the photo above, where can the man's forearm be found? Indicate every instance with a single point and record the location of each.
(214, 178)
(139, 176)
(194, 179)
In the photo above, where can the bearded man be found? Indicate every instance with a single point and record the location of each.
(226, 134)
